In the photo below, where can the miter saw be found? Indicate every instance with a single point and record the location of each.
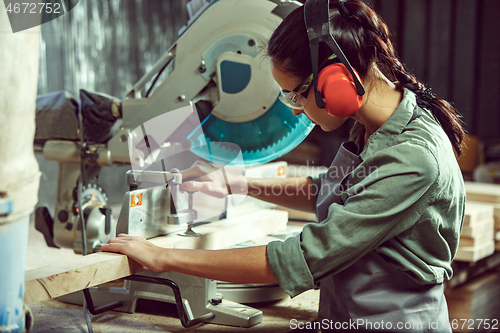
(211, 96)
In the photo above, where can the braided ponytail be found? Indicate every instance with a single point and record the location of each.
(444, 113)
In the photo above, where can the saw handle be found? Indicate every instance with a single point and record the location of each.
(183, 316)
(95, 311)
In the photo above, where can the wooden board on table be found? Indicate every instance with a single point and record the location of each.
(483, 192)
(56, 280)
(497, 239)
(473, 254)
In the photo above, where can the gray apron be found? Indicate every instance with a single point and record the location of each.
(372, 295)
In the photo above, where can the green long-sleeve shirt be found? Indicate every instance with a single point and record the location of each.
(406, 201)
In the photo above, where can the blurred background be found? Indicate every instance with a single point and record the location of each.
(451, 45)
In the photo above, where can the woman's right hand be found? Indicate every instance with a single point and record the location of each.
(215, 180)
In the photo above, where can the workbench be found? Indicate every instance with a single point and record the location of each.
(151, 316)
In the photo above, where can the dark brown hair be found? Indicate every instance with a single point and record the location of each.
(364, 39)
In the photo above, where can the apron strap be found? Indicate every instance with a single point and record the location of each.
(416, 113)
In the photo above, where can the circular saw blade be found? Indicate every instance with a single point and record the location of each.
(260, 140)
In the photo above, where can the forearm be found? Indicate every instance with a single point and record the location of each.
(241, 265)
(297, 193)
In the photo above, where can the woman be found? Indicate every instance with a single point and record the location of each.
(390, 207)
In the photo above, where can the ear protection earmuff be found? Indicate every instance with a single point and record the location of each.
(340, 91)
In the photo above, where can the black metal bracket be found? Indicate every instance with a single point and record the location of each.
(45, 224)
(178, 299)
(95, 311)
(183, 316)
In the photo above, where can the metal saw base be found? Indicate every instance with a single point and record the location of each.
(199, 296)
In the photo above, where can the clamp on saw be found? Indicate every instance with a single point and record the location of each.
(156, 210)
(218, 102)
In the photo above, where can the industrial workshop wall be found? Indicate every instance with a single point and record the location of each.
(103, 46)
(107, 46)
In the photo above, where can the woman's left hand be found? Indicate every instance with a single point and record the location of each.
(139, 249)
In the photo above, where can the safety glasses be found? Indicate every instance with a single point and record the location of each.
(296, 99)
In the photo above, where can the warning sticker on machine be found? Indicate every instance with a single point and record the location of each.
(136, 200)
(281, 171)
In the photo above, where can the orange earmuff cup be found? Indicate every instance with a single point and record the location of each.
(339, 91)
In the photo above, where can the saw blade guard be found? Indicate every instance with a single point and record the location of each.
(260, 140)
(219, 60)
(210, 138)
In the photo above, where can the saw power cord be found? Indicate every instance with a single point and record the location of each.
(156, 79)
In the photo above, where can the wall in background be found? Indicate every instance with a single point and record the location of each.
(107, 46)
(104, 46)
(452, 46)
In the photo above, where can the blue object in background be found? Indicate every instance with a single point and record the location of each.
(13, 250)
(6, 206)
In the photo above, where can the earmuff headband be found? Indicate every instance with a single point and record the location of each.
(332, 43)
(318, 30)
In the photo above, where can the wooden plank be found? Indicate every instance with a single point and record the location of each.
(496, 210)
(476, 241)
(473, 254)
(57, 280)
(478, 230)
(476, 213)
(483, 192)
